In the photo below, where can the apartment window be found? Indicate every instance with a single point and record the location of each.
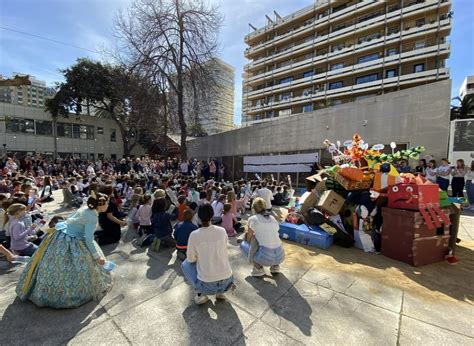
(308, 74)
(367, 78)
(393, 30)
(418, 68)
(307, 92)
(367, 58)
(369, 16)
(44, 128)
(286, 80)
(270, 114)
(391, 73)
(307, 108)
(420, 22)
(337, 66)
(392, 51)
(17, 125)
(337, 47)
(338, 8)
(368, 38)
(284, 63)
(113, 135)
(284, 112)
(100, 130)
(393, 8)
(419, 45)
(285, 96)
(64, 130)
(335, 85)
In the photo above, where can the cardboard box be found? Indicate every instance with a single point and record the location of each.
(407, 238)
(383, 180)
(330, 202)
(413, 196)
(353, 185)
(307, 235)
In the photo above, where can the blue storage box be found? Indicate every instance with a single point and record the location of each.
(307, 235)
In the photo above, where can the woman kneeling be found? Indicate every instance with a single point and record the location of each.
(265, 249)
(66, 270)
(207, 268)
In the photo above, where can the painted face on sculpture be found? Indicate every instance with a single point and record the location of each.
(404, 196)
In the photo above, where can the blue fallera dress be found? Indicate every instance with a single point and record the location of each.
(63, 272)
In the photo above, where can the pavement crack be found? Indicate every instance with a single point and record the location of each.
(399, 332)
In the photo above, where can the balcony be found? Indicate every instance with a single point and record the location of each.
(414, 9)
(340, 15)
(408, 79)
(342, 72)
(349, 50)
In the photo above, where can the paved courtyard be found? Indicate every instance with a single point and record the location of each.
(338, 296)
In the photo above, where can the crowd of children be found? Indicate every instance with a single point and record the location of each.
(160, 209)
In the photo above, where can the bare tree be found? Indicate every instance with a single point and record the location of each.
(172, 41)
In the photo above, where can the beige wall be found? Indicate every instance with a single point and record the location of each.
(415, 116)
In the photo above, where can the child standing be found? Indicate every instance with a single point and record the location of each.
(144, 216)
(229, 221)
(20, 234)
(182, 232)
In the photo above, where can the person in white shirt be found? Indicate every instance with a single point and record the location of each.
(144, 216)
(218, 206)
(266, 194)
(430, 171)
(207, 267)
(264, 228)
(184, 167)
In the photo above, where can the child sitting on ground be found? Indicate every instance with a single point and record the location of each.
(161, 225)
(21, 236)
(182, 233)
(181, 206)
(229, 221)
(70, 200)
(144, 216)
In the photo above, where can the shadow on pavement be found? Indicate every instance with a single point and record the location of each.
(211, 324)
(265, 289)
(26, 323)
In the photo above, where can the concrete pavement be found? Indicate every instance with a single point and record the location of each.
(337, 296)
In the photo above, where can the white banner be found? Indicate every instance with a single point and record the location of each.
(280, 163)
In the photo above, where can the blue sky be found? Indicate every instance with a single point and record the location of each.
(88, 24)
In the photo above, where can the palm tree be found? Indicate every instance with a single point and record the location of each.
(465, 109)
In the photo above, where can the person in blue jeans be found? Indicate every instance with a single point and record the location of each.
(207, 268)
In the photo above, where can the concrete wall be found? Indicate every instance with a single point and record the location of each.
(415, 116)
(45, 144)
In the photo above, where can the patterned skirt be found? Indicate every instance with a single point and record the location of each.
(63, 274)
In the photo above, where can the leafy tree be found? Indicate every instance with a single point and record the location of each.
(111, 91)
(465, 109)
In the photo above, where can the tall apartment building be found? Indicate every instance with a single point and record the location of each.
(33, 95)
(334, 52)
(467, 86)
(215, 108)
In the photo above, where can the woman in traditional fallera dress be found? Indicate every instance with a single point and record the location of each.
(66, 271)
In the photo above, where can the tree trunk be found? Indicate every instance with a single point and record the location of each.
(182, 122)
(55, 137)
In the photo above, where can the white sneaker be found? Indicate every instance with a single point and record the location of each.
(275, 269)
(221, 296)
(200, 299)
(258, 272)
